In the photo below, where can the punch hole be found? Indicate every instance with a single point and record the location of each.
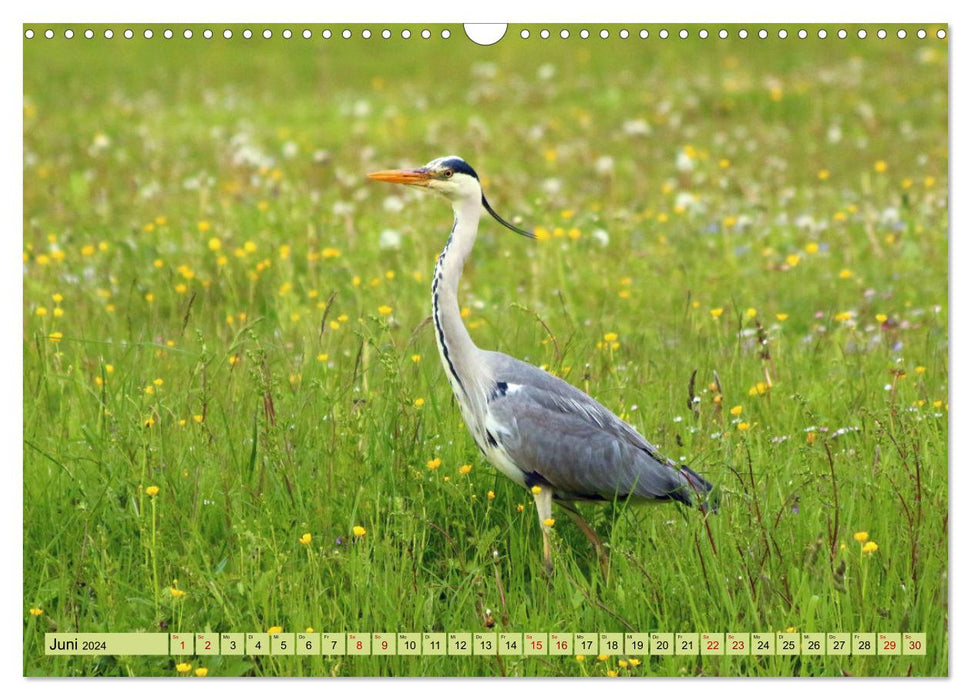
(921, 34)
(763, 34)
(604, 33)
(821, 33)
(29, 34)
(901, 33)
(88, 34)
(643, 34)
(385, 33)
(564, 33)
(326, 34)
(683, 34)
(584, 34)
(366, 33)
(247, 34)
(487, 34)
(109, 34)
(207, 34)
(881, 34)
(722, 33)
(743, 33)
(841, 33)
(802, 34)
(148, 33)
(68, 33)
(227, 34)
(168, 34)
(545, 34)
(624, 33)
(287, 34)
(941, 34)
(861, 34)
(267, 34)
(49, 34)
(306, 33)
(663, 33)
(425, 34)
(129, 34)
(703, 33)
(446, 34)
(405, 33)
(187, 34)
(783, 34)
(524, 34)
(346, 34)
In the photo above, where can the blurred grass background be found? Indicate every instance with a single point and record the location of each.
(219, 305)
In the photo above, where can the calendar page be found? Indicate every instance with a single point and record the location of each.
(522, 350)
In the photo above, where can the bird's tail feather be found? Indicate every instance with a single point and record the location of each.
(702, 489)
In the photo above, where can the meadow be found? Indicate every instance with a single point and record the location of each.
(235, 418)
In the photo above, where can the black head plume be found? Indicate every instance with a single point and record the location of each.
(505, 223)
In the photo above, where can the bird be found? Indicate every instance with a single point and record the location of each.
(540, 431)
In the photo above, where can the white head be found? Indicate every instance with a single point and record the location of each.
(451, 177)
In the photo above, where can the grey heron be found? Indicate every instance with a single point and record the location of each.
(540, 431)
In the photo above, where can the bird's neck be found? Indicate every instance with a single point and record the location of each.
(455, 345)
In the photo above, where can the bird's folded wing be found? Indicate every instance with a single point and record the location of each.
(568, 440)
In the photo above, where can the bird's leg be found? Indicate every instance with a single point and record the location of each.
(594, 540)
(543, 495)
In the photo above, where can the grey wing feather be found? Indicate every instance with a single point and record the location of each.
(564, 437)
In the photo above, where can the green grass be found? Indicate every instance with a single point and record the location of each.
(281, 412)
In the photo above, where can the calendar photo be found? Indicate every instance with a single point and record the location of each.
(526, 350)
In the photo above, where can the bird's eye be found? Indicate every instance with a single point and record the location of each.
(447, 174)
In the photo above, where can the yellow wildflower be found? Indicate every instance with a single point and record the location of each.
(870, 548)
(276, 629)
(202, 672)
(434, 463)
(861, 537)
(715, 313)
(305, 538)
(465, 469)
(735, 410)
(183, 667)
(880, 166)
(151, 491)
(549, 522)
(359, 531)
(385, 310)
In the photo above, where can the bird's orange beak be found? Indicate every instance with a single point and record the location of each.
(418, 176)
